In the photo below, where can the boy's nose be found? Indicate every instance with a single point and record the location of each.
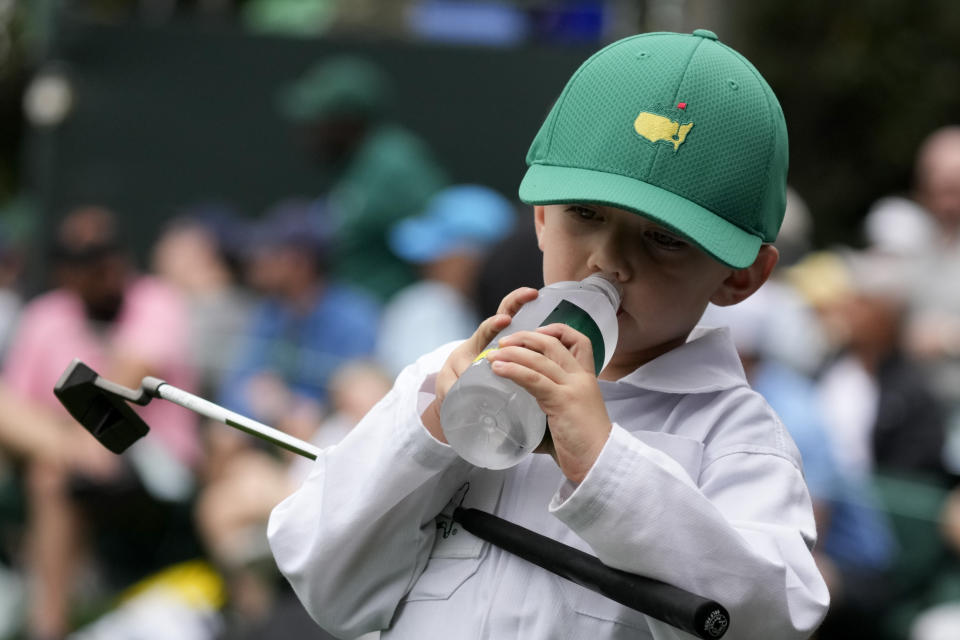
(610, 257)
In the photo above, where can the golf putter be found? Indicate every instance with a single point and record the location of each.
(102, 408)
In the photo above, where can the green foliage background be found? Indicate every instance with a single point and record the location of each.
(861, 83)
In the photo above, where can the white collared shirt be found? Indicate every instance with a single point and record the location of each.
(698, 485)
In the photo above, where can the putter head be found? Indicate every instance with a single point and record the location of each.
(101, 406)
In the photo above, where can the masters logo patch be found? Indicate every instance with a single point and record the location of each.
(655, 128)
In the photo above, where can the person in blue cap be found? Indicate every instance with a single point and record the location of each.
(447, 242)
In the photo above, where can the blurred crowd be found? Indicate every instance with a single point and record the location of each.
(856, 348)
(300, 317)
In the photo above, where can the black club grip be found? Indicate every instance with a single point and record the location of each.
(686, 611)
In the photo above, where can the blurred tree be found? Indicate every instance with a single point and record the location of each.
(861, 83)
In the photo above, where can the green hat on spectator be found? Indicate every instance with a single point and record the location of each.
(343, 85)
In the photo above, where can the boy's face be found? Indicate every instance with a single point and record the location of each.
(667, 281)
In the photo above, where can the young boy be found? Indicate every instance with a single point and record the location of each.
(663, 164)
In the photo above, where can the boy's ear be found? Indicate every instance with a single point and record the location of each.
(538, 216)
(742, 283)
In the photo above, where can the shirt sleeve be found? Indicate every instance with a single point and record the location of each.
(20, 370)
(35, 361)
(740, 535)
(352, 547)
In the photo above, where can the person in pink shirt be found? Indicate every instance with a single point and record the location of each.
(125, 326)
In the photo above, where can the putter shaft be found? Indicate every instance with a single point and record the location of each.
(235, 420)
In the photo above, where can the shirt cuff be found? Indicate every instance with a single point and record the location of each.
(579, 505)
(416, 440)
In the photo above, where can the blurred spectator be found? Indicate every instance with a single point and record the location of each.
(233, 508)
(447, 241)
(307, 326)
(883, 425)
(382, 173)
(124, 326)
(29, 435)
(16, 443)
(937, 180)
(511, 263)
(191, 254)
(794, 336)
(933, 328)
(354, 389)
(898, 226)
(881, 413)
(181, 601)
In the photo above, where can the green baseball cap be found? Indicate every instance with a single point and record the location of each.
(679, 128)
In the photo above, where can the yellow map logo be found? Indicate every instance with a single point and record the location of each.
(654, 128)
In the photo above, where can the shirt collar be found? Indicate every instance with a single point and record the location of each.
(706, 363)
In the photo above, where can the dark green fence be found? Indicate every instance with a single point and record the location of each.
(168, 117)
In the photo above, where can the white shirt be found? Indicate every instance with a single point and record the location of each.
(698, 485)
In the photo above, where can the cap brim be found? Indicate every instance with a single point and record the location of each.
(723, 240)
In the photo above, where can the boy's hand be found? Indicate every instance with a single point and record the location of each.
(464, 355)
(555, 364)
